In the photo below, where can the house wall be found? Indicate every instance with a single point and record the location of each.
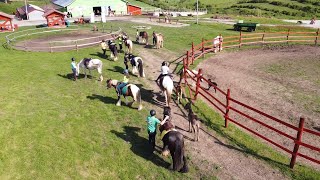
(85, 7)
(36, 15)
(134, 10)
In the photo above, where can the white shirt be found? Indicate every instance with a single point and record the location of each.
(165, 70)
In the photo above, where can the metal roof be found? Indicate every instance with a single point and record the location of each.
(62, 3)
(6, 15)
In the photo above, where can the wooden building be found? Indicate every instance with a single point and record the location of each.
(6, 22)
(54, 18)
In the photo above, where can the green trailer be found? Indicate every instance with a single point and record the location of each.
(250, 26)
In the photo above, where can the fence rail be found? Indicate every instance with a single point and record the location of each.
(198, 51)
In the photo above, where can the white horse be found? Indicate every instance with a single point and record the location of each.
(90, 64)
(217, 43)
(166, 86)
(136, 62)
(128, 90)
(159, 41)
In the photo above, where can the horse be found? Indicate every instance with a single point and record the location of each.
(173, 142)
(113, 48)
(166, 86)
(136, 62)
(159, 41)
(217, 43)
(90, 64)
(128, 90)
(128, 43)
(143, 35)
(194, 121)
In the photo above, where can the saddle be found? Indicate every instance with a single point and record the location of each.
(124, 90)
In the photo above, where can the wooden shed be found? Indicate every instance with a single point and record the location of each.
(6, 22)
(54, 18)
(134, 10)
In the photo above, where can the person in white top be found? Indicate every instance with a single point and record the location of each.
(164, 71)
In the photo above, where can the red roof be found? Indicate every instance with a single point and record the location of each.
(6, 15)
(134, 6)
(47, 13)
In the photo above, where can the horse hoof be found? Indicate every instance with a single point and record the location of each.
(139, 108)
(118, 104)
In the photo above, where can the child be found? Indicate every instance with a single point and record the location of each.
(152, 123)
(137, 36)
(74, 68)
(104, 47)
(164, 71)
(124, 82)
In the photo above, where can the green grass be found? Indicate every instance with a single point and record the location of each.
(54, 128)
(12, 6)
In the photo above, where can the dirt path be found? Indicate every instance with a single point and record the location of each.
(282, 82)
(212, 155)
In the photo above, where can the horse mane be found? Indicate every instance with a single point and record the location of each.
(166, 126)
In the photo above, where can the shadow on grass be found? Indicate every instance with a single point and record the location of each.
(70, 76)
(100, 55)
(105, 99)
(241, 147)
(151, 97)
(139, 145)
(117, 69)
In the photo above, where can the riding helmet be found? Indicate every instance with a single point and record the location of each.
(73, 59)
(152, 112)
(164, 63)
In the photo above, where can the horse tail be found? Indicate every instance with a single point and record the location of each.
(179, 153)
(140, 67)
(138, 96)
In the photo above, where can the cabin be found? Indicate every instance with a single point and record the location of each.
(54, 18)
(30, 12)
(134, 10)
(6, 22)
(80, 8)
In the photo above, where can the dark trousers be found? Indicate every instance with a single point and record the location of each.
(104, 52)
(120, 47)
(152, 139)
(74, 72)
(154, 41)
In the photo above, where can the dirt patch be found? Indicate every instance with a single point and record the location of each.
(281, 81)
(212, 155)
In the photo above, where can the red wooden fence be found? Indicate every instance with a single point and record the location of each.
(230, 104)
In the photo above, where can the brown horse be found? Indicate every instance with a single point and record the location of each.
(143, 35)
(173, 142)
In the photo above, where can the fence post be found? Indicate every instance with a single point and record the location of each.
(226, 116)
(188, 58)
(220, 43)
(192, 51)
(263, 37)
(297, 143)
(240, 39)
(77, 45)
(184, 71)
(202, 47)
(50, 43)
(316, 41)
(288, 36)
(198, 83)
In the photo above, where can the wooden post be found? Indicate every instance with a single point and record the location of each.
(188, 58)
(226, 116)
(184, 71)
(316, 41)
(192, 51)
(77, 45)
(50, 43)
(288, 36)
(198, 83)
(263, 37)
(297, 143)
(220, 43)
(202, 47)
(240, 39)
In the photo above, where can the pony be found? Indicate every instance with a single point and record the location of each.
(217, 43)
(128, 43)
(159, 41)
(143, 35)
(173, 142)
(113, 49)
(136, 62)
(128, 90)
(166, 86)
(90, 64)
(193, 121)
(178, 90)
(212, 83)
(193, 73)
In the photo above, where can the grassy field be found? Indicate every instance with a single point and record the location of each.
(53, 128)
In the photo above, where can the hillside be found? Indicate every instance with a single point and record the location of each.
(266, 8)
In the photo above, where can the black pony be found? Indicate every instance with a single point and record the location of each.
(173, 141)
(136, 62)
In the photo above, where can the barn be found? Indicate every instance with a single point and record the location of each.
(134, 10)
(86, 7)
(54, 18)
(33, 12)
